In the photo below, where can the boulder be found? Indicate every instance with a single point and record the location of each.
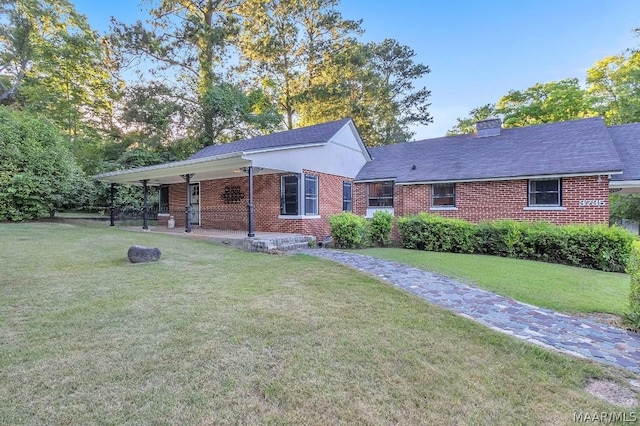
(141, 254)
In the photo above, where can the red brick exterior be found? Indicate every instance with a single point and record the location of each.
(507, 199)
(216, 214)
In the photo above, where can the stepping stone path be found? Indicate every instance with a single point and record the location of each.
(571, 335)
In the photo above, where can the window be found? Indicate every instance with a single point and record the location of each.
(380, 194)
(164, 199)
(545, 193)
(347, 197)
(292, 191)
(443, 195)
(310, 194)
(289, 195)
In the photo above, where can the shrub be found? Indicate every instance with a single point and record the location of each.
(633, 317)
(634, 270)
(348, 230)
(380, 227)
(597, 247)
(436, 233)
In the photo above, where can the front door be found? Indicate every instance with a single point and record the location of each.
(195, 204)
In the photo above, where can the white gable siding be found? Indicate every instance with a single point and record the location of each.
(342, 156)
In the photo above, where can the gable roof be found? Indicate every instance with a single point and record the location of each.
(317, 134)
(565, 148)
(626, 138)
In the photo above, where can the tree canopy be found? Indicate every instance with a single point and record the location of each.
(39, 174)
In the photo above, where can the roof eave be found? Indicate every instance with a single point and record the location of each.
(488, 179)
(175, 168)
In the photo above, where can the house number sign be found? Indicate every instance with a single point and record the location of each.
(597, 203)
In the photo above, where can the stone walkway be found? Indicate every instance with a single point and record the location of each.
(571, 335)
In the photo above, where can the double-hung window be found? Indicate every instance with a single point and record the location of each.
(347, 196)
(380, 194)
(443, 195)
(545, 193)
(310, 195)
(299, 195)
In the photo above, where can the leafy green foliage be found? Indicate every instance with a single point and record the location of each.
(634, 270)
(596, 247)
(434, 233)
(54, 64)
(348, 230)
(380, 226)
(546, 103)
(633, 316)
(613, 84)
(39, 174)
(624, 207)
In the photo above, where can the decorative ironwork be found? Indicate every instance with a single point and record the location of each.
(232, 195)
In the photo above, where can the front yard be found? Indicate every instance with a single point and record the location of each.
(212, 335)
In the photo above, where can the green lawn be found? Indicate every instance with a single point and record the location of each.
(559, 287)
(212, 335)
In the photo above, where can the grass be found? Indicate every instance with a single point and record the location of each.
(212, 335)
(558, 287)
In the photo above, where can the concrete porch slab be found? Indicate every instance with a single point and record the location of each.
(265, 242)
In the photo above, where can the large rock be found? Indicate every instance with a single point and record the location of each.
(141, 254)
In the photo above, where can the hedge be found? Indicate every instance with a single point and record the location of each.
(348, 230)
(588, 246)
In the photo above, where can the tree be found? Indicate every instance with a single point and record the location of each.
(624, 207)
(394, 64)
(614, 82)
(187, 42)
(373, 84)
(467, 125)
(546, 103)
(284, 44)
(54, 64)
(39, 174)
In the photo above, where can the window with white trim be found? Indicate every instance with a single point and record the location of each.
(310, 195)
(299, 195)
(347, 196)
(443, 195)
(380, 194)
(545, 192)
(289, 195)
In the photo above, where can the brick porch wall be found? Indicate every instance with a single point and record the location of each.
(479, 201)
(217, 214)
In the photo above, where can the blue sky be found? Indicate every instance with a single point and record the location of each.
(477, 50)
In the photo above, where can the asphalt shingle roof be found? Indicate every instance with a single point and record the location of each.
(320, 133)
(570, 147)
(626, 138)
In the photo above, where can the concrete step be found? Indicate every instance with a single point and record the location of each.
(277, 244)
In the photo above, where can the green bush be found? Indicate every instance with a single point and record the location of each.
(348, 230)
(380, 226)
(634, 270)
(632, 318)
(38, 175)
(436, 233)
(597, 247)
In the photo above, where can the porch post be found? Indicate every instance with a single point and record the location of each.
(112, 207)
(145, 207)
(187, 222)
(250, 209)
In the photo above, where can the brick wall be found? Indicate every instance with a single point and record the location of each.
(478, 201)
(217, 214)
